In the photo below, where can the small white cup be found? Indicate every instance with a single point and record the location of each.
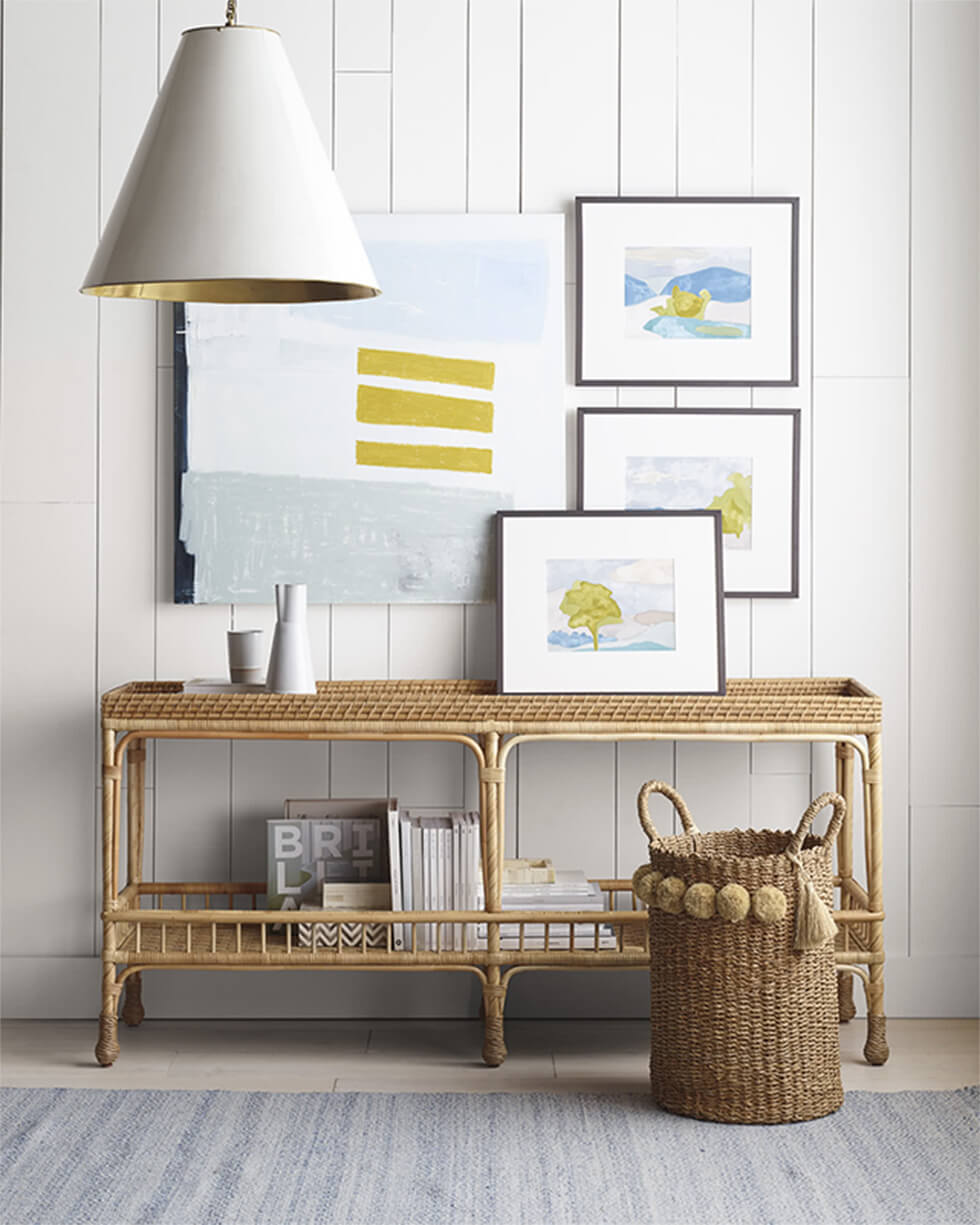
(246, 657)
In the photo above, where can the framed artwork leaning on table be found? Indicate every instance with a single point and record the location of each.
(744, 463)
(610, 602)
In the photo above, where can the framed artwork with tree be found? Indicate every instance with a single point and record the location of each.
(610, 602)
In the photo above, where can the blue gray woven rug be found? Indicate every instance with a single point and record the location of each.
(125, 1157)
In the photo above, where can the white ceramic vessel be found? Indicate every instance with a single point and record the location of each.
(291, 661)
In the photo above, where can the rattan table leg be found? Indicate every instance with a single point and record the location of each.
(494, 997)
(132, 1009)
(845, 870)
(876, 1046)
(107, 1047)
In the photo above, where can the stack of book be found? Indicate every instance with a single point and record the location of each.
(440, 870)
(570, 891)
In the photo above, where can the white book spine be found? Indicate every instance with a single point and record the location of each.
(418, 889)
(395, 869)
(457, 881)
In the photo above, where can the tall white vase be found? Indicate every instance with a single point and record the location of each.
(291, 662)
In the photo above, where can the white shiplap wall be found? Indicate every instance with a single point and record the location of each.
(866, 109)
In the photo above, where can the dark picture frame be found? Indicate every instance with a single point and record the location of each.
(709, 603)
(791, 588)
(587, 362)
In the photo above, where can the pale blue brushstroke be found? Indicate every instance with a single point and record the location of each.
(574, 638)
(680, 482)
(352, 542)
(478, 291)
(637, 291)
(672, 327)
(724, 284)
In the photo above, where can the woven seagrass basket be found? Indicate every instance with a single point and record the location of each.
(743, 1023)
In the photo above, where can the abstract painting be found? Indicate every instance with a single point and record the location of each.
(670, 482)
(597, 604)
(610, 602)
(364, 447)
(699, 293)
(742, 463)
(654, 274)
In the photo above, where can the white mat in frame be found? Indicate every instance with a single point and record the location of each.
(745, 462)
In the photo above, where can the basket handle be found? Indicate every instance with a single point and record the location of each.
(833, 829)
(656, 785)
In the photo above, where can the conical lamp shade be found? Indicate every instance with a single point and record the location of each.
(230, 196)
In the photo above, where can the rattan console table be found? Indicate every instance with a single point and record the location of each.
(220, 925)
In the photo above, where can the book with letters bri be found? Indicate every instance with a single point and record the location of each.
(331, 842)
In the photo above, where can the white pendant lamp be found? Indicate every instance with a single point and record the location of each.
(230, 196)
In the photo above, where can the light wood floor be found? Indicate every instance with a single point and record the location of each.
(420, 1056)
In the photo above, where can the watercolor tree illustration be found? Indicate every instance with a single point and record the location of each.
(735, 505)
(590, 606)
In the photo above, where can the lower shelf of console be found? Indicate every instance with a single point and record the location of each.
(223, 924)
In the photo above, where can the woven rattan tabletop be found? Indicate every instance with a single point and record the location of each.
(782, 706)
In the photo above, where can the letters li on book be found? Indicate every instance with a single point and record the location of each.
(324, 842)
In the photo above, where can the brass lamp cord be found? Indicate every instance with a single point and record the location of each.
(231, 13)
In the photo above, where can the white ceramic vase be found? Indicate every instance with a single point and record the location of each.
(290, 662)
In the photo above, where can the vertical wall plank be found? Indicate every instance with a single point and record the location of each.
(263, 775)
(860, 592)
(714, 98)
(426, 642)
(50, 156)
(777, 801)
(494, 115)
(362, 159)
(570, 87)
(945, 395)
(127, 378)
(429, 83)
(861, 160)
(47, 771)
(363, 35)
(480, 641)
(636, 763)
(945, 918)
(193, 818)
(714, 780)
(783, 140)
(648, 98)
(567, 811)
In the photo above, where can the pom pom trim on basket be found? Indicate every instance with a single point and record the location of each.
(733, 902)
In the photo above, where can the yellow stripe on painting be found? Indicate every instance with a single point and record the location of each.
(407, 455)
(426, 368)
(392, 406)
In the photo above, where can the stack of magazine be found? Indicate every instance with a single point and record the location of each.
(570, 891)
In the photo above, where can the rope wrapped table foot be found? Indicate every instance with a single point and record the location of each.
(876, 1047)
(132, 1010)
(845, 998)
(494, 1047)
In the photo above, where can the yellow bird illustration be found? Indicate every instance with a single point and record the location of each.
(685, 305)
